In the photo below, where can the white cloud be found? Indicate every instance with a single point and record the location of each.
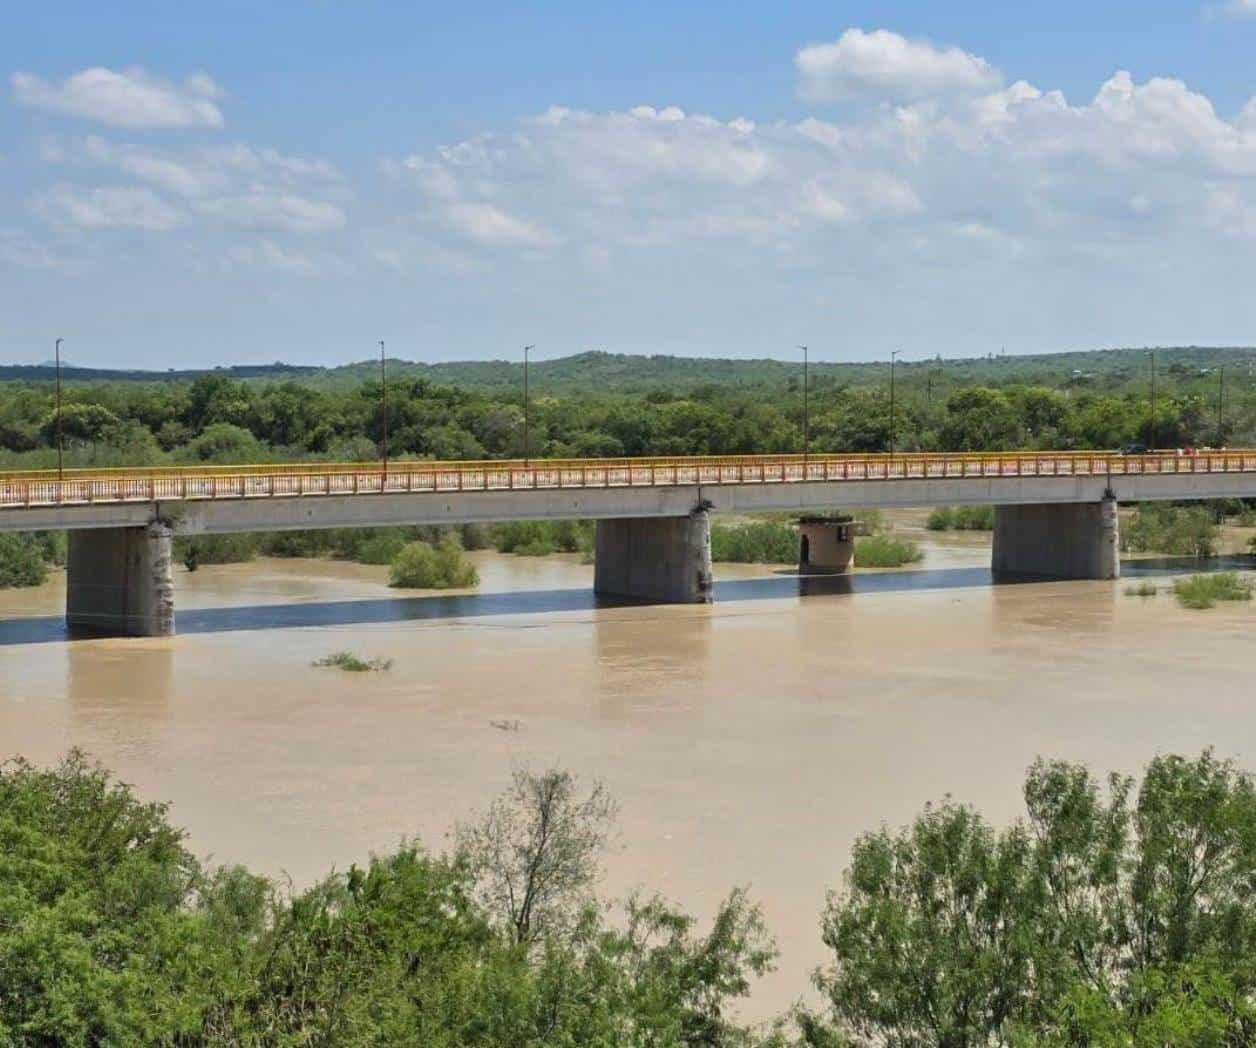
(491, 225)
(1241, 8)
(882, 63)
(266, 254)
(265, 211)
(130, 98)
(110, 208)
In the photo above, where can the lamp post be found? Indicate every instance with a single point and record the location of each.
(526, 406)
(1151, 427)
(893, 358)
(383, 399)
(1221, 407)
(60, 465)
(806, 413)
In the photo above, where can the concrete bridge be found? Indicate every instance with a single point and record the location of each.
(1055, 517)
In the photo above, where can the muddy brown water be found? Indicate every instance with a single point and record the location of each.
(748, 742)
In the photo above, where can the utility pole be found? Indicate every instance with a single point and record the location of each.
(383, 397)
(806, 414)
(1151, 429)
(60, 464)
(526, 451)
(1221, 406)
(893, 358)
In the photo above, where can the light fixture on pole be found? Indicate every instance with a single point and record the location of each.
(383, 400)
(893, 358)
(526, 455)
(60, 464)
(806, 414)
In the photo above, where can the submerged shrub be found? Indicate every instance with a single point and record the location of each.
(961, 518)
(22, 561)
(346, 660)
(1203, 591)
(538, 538)
(885, 551)
(420, 565)
(760, 542)
(1180, 531)
(195, 550)
(1145, 588)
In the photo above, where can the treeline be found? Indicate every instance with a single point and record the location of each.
(1112, 913)
(215, 419)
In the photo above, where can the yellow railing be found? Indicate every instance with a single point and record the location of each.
(150, 484)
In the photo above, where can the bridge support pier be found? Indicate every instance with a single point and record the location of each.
(1070, 540)
(666, 560)
(119, 581)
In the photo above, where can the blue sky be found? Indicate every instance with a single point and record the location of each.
(241, 183)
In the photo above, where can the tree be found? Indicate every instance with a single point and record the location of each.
(1090, 922)
(535, 852)
(980, 419)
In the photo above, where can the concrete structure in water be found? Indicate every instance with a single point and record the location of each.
(826, 545)
(664, 560)
(1055, 514)
(1077, 540)
(119, 581)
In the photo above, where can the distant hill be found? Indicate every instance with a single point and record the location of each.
(622, 373)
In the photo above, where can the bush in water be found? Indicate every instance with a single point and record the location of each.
(760, 542)
(22, 561)
(420, 565)
(885, 551)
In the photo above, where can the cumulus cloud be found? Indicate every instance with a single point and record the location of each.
(885, 64)
(110, 208)
(130, 98)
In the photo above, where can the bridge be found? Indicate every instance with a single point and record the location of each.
(1055, 512)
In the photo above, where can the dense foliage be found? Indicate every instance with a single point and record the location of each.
(1105, 917)
(961, 518)
(112, 933)
(757, 542)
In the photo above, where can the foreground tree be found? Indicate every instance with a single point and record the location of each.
(1092, 921)
(536, 851)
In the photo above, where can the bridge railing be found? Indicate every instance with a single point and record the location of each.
(299, 480)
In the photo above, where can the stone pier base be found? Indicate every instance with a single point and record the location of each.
(1073, 540)
(666, 560)
(119, 581)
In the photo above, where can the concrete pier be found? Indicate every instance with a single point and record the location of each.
(666, 560)
(119, 581)
(1076, 540)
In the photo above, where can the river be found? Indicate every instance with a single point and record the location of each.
(747, 742)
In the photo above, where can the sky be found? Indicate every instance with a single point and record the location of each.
(191, 185)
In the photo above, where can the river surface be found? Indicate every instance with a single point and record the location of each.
(748, 742)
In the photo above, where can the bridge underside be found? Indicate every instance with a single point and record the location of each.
(120, 581)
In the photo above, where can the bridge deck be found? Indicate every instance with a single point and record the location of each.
(25, 490)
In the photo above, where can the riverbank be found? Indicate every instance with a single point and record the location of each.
(748, 742)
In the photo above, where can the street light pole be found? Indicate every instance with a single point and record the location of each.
(60, 465)
(806, 413)
(1221, 407)
(526, 407)
(383, 397)
(1151, 429)
(893, 358)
